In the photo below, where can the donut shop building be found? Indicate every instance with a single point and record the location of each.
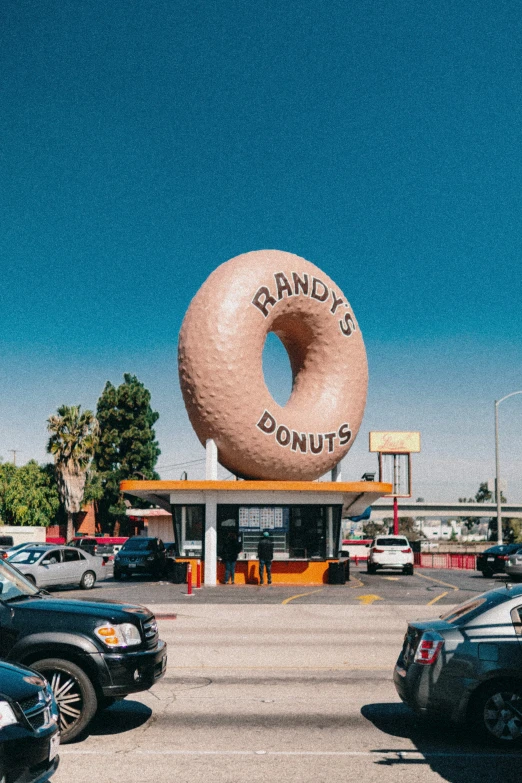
(303, 520)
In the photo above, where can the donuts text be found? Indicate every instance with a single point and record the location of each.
(304, 442)
(303, 285)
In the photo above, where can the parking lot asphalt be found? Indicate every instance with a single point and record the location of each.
(294, 692)
(425, 587)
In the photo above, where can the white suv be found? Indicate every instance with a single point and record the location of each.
(391, 552)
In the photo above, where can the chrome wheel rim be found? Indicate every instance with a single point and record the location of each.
(68, 695)
(88, 580)
(502, 716)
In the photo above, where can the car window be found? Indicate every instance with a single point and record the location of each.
(391, 541)
(81, 556)
(70, 555)
(468, 611)
(26, 557)
(52, 557)
(138, 543)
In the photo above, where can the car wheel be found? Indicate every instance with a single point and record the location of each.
(30, 578)
(88, 580)
(408, 570)
(116, 575)
(74, 694)
(370, 569)
(487, 573)
(497, 713)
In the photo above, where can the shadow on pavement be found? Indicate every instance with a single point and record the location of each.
(450, 751)
(123, 716)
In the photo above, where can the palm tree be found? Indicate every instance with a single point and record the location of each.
(74, 436)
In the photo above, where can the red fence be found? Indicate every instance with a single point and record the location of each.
(449, 560)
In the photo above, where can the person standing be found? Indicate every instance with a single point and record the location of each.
(231, 550)
(265, 553)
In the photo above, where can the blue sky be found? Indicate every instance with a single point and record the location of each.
(143, 144)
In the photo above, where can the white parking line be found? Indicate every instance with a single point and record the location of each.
(397, 754)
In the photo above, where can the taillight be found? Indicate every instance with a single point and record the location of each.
(378, 551)
(429, 647)
(503, 557)
(406, 551)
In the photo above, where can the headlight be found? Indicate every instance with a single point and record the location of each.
(150, 557)
(7, 716)
(124, 635)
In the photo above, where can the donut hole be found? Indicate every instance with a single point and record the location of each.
(277, 369)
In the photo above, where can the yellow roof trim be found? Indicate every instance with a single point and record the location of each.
(355, 487)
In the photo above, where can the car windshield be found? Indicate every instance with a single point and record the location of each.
(138, 543)
(13, 584)
(26, 556)
(391, 542)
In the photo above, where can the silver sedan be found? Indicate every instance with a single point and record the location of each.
(61, 565)
(513, 567)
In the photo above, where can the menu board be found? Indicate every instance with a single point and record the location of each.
(263, 518)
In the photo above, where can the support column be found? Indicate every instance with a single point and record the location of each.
(329, 532)
(210, 574)
(211, 460)
(337, 472)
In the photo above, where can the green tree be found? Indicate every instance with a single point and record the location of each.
(73, 439)
(407, 528)
(483, 495)
(127, 446)
(28, 495)
(373, 529)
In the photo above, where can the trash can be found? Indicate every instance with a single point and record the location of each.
(337, 573)
(179, 573)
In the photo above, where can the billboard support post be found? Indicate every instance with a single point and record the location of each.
(395, 449)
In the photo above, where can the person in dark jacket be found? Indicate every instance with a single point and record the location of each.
(231, 549)
(265, 553)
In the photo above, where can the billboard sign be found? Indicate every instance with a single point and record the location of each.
(395, 442)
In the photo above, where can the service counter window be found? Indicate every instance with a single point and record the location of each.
(297, 532)
(189, 526)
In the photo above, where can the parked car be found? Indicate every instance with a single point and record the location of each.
(390, 552)
(513, 566)
(467, 666)
(493, 560)
(5, 543)
(91, 652)
(141, 555)
(48, 566)
(29, 736)
(101, 545)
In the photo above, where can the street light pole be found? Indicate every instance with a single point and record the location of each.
(498, 493)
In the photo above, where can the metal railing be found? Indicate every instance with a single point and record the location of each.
(445, 560)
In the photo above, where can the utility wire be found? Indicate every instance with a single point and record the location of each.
(179, 464)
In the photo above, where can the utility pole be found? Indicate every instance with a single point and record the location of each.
(14, 452)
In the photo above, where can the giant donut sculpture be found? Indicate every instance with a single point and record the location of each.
(221, 371)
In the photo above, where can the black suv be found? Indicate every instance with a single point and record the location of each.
(29, 738)
(140, 555)
(91, 652)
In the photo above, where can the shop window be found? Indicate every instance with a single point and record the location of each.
(189, 525)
